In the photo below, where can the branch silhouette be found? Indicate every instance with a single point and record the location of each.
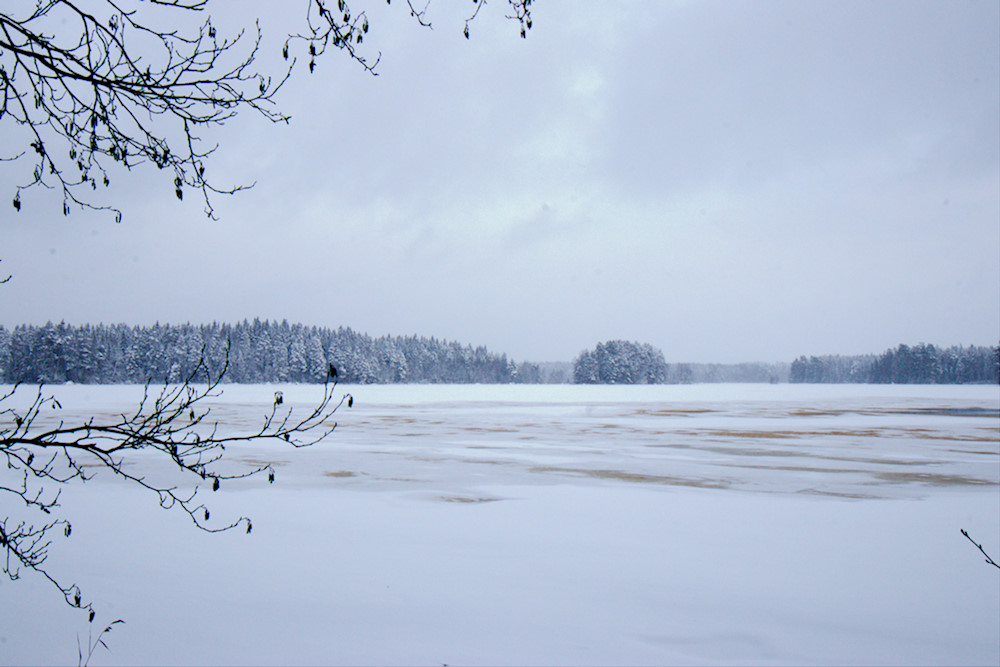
(980, 547)
(42, 454)
(98, 90)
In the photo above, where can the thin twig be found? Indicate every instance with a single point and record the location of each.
(980, 547)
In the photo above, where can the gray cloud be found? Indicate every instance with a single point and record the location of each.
(727, 181)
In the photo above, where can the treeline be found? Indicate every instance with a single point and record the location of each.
(249, 352)
(920, 364)
(255, 352)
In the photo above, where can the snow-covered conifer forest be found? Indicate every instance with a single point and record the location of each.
(250, 352)
(256, 352)
(920, 364)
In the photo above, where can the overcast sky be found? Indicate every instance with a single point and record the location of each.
(726, 181)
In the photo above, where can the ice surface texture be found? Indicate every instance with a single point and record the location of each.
(696, 524)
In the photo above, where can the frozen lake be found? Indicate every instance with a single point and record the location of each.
(702, 524)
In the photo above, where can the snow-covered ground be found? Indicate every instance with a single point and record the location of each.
(703, 524)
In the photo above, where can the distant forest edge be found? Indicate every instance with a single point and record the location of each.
(248, 352)
(920, 364)
(256, 352)
(624, 362)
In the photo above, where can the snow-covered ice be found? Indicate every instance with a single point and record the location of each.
(703, 524)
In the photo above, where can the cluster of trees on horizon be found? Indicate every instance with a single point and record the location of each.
(257, 352)
(627, 362)
(620, 362)
(919, 364)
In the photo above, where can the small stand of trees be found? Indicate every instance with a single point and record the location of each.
(620, 362)
(625, 362)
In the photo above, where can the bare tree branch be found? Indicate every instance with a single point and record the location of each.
(337, 29)
(173, 422)
(980, 547)
(522, 14)
(101, 91)
(86, 89)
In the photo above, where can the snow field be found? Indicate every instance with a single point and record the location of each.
(556, 525)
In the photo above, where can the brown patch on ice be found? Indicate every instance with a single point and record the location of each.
(778, 435)
(757, 435)
(972, 411)
(809, 412)
(789, 468)
(340, 473)
(993, 435)
(933, 479)
(489, 429)
(261, 462)
(468, 499)
(641, 478)
(837, 494)
(674, 412)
